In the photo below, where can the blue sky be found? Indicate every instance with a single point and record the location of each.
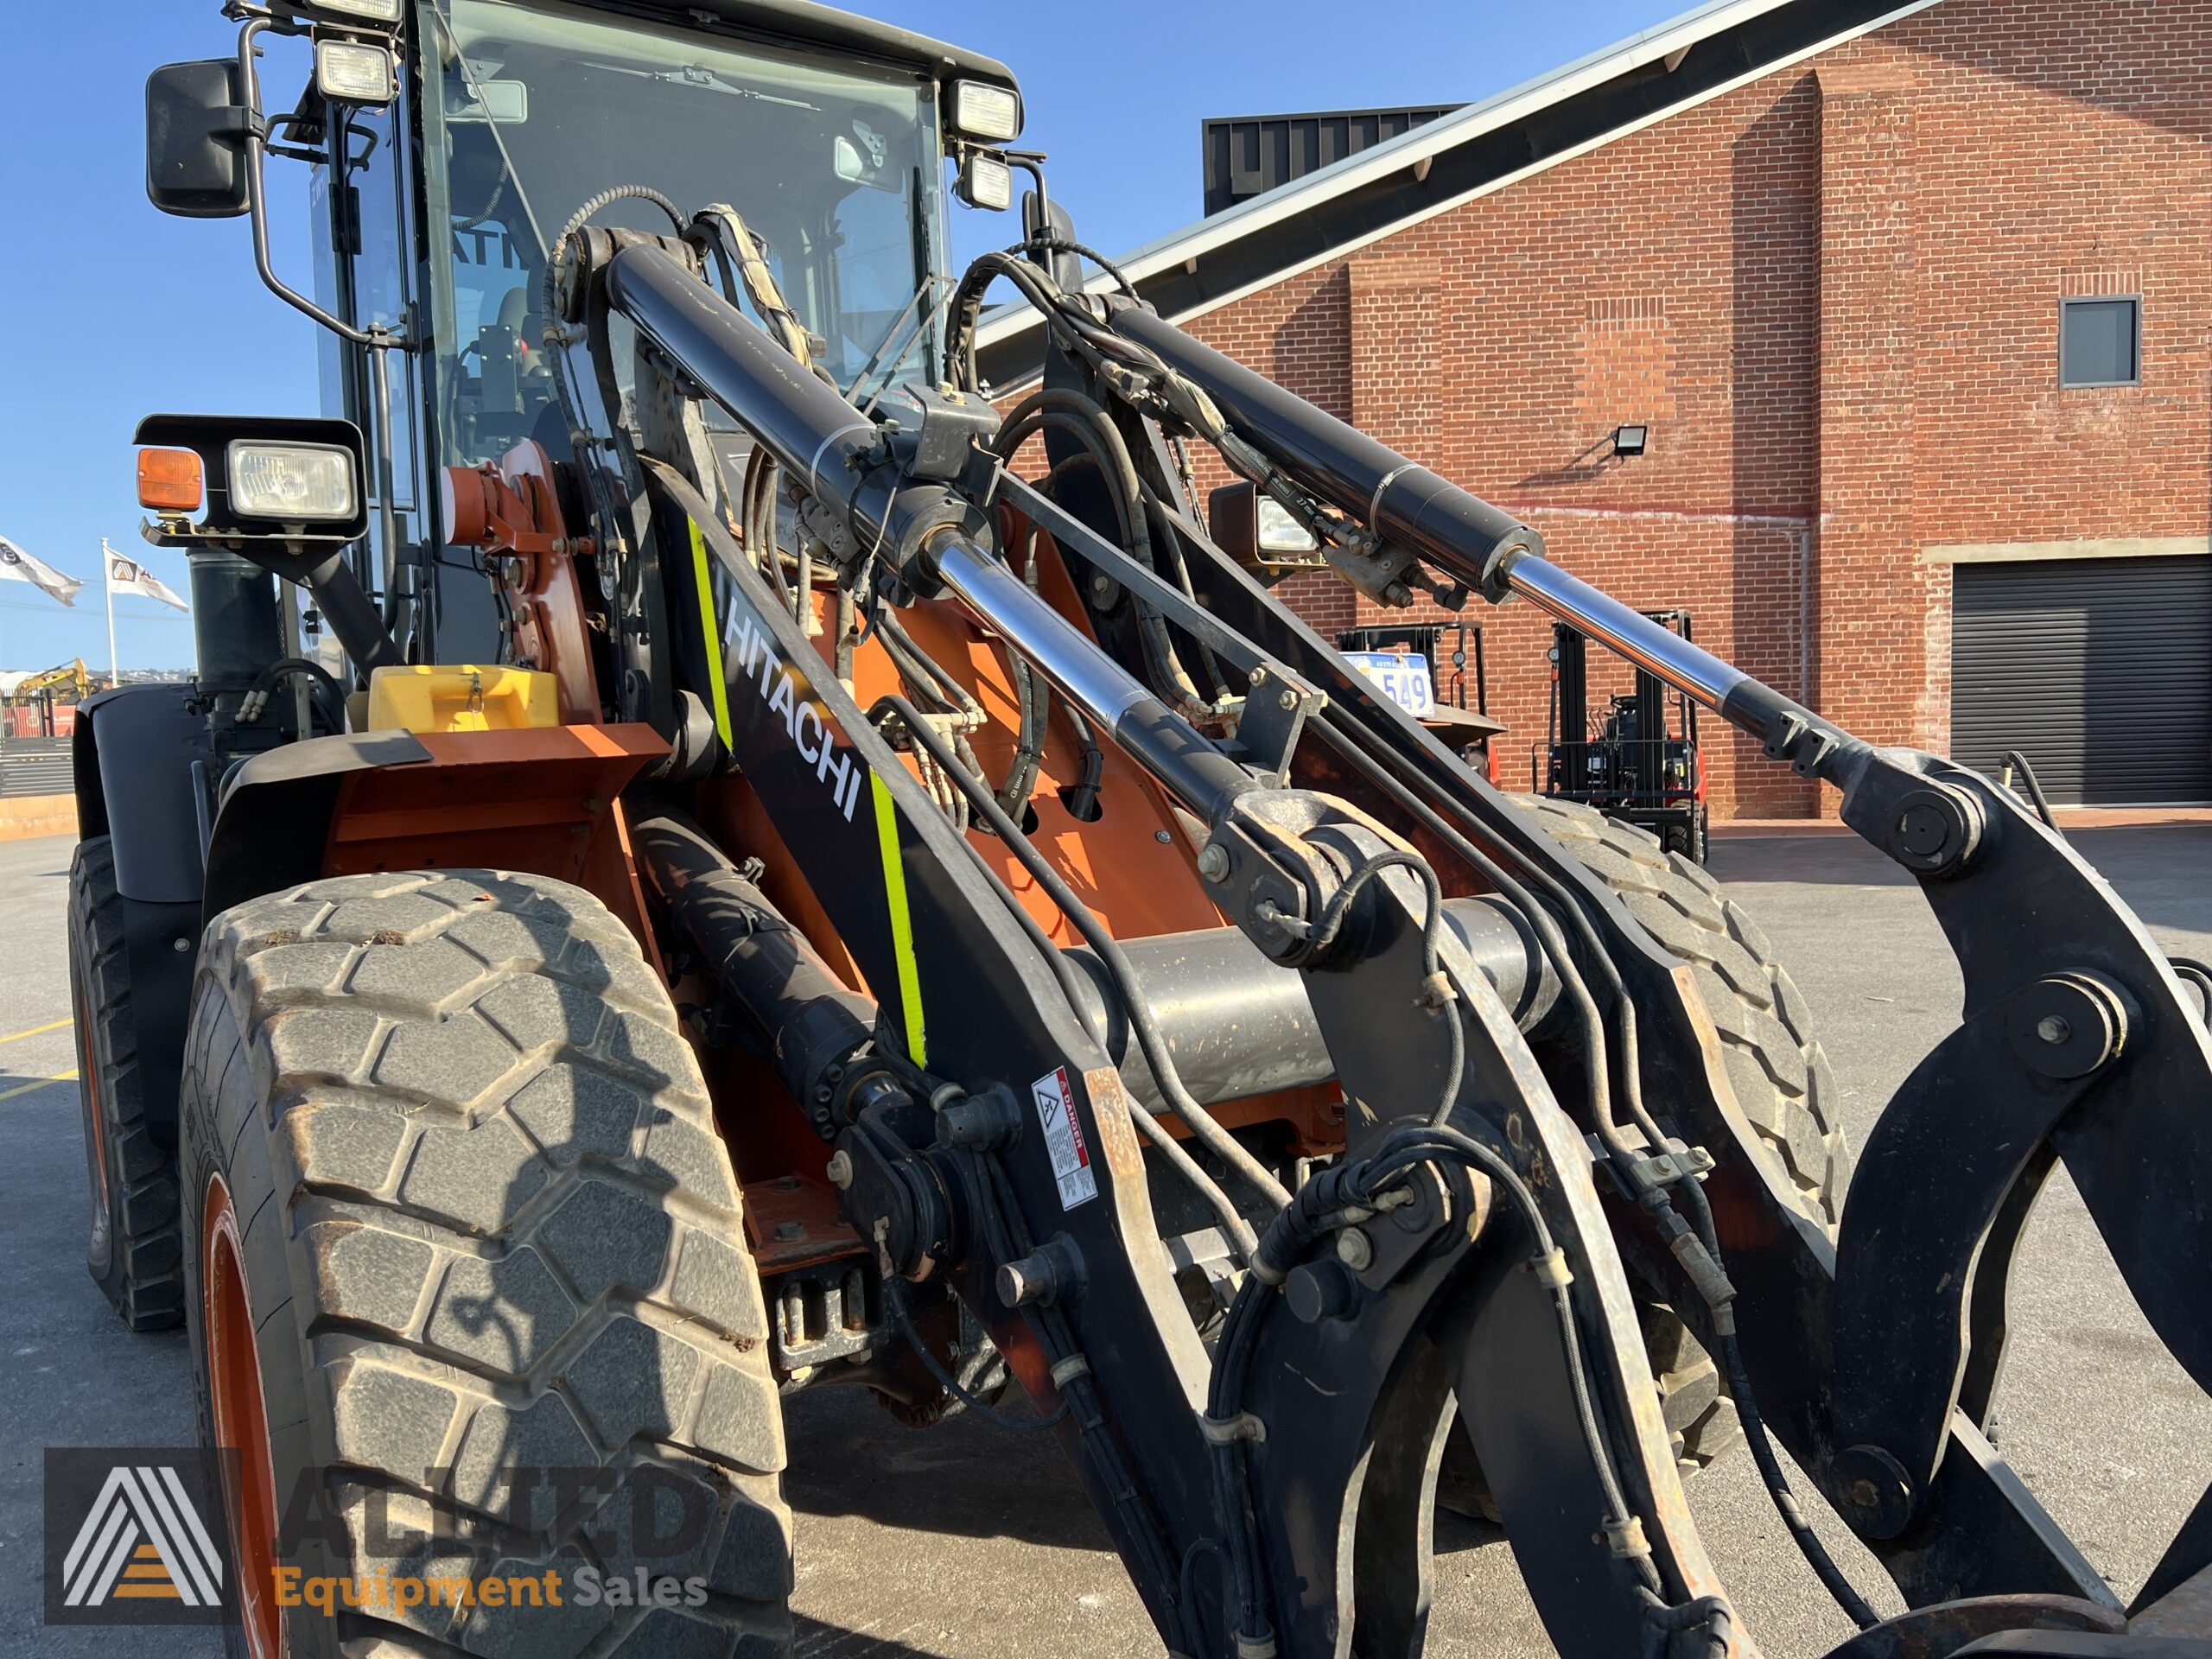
(113, 311)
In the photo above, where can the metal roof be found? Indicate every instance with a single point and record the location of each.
(1247, 156)
(1481, 147)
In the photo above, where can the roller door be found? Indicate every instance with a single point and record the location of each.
(2099, 670)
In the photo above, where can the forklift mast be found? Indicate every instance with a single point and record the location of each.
(1637, 759)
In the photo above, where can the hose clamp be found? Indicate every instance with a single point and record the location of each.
(1374, 501)
(1228, 1431)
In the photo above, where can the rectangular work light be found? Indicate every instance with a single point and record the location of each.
(346, 73)
(986, 182)
(293, 483)
(1281, 533)
(983, 111)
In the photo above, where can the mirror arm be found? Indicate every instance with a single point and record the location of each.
(255, 141)
(378, 339)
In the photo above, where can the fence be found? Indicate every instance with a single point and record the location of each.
(34, 766)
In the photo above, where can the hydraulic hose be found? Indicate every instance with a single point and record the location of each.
(1201, 1124)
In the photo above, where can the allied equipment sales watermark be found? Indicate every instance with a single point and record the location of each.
(140, 1535)
(135, 1535)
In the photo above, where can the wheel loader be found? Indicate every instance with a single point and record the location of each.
(711, 854)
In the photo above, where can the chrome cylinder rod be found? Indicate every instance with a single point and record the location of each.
(1648, 644)
(1468, 538)
(833, 452)
(1168, 746)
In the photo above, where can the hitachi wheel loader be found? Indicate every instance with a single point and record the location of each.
(707, 856)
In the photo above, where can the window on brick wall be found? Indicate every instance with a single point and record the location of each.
(2099, 342)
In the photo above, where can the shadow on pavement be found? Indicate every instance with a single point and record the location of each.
(850, 1457)
(2160, 870)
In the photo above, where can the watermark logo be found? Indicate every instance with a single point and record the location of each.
(132, 1537)
(139, 1536)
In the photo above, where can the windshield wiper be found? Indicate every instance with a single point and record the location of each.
(895, 334)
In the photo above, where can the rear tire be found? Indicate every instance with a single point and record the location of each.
(499, 1304)
(1776, 1068)
(133, 1248)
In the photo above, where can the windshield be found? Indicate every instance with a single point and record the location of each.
(534, 109)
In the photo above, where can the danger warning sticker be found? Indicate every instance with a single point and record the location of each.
(1064, 1137)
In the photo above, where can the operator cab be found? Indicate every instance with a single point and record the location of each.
(452, 142)
(536, 109)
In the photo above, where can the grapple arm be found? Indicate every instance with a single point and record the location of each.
(1465, 1255)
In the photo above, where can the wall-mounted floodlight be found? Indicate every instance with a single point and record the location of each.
(1630, 439)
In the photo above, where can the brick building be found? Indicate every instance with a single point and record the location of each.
(1831, 255)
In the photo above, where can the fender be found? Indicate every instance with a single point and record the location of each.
(133, 758)
(542, 799)
(133, 751)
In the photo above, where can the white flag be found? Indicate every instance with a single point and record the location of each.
(129, 576)
(16, 565)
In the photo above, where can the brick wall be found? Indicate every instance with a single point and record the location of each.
(1833, 294)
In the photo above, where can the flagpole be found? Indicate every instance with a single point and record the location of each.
(107, 582)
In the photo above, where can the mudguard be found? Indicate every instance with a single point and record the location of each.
(133, 758)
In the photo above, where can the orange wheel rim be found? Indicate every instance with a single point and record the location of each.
(241, 1421)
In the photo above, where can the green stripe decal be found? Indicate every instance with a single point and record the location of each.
(902, 924)
(711, 629)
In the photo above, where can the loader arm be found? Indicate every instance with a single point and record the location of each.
(1465, 1247)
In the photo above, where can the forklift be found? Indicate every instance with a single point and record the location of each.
(1636, 760)
(1409, 662)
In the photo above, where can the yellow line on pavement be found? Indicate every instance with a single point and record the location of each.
(35, 1030)
(70, 1076)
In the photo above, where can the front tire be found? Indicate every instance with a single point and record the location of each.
(469, 1288)
(132, 1248)
(1776, 1068)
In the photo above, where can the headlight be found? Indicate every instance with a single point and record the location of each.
(1281, 533)
(347, 73)
(983, 111)
(295, 483)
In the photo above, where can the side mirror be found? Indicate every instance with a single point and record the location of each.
(195, 115)
(1040, 217)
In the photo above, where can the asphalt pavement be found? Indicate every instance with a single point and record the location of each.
(973, 1543)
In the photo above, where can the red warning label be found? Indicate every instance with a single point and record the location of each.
(1063, 1137)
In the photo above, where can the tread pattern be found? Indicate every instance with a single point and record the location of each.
(1780, 1074)
(137, 1260)
(479, 1158)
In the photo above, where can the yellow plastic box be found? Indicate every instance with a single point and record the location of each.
(462, 698)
